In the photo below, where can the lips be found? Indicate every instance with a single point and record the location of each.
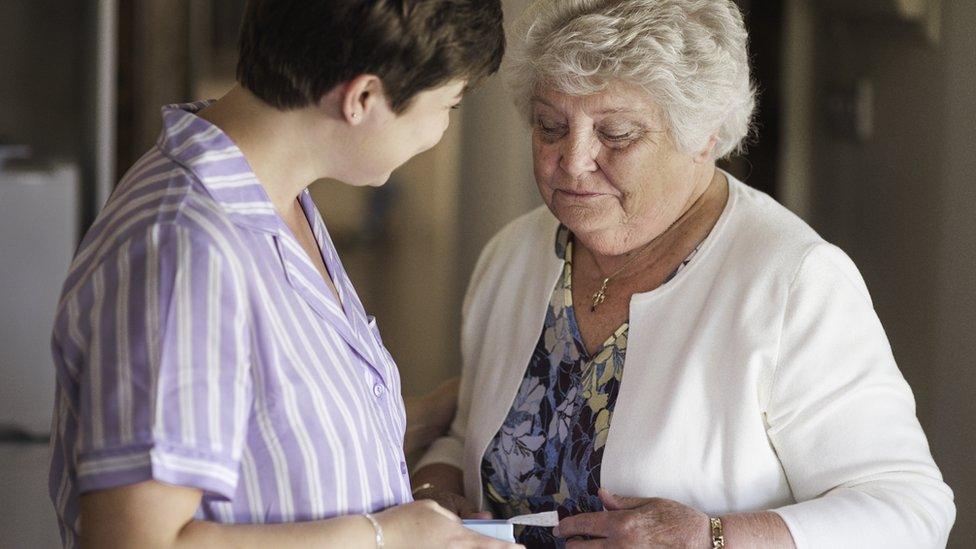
(579, 194)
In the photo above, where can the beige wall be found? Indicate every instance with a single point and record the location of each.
(496, 161)
(798, 102)
(154, 66)
(951, 402)
(901, 202)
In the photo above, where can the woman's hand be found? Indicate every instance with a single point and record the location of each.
(454, 503)
(637, 522)
(444, 484)
(431, 525)
(429, 416)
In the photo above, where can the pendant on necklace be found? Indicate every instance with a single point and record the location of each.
(600, 296)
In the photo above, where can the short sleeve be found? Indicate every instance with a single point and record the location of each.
(165, 382)
(842, 420)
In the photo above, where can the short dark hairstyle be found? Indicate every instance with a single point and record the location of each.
(292, 52)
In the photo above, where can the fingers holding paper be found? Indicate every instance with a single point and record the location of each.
(635, 522)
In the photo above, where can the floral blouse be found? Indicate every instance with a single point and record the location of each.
(547, 454)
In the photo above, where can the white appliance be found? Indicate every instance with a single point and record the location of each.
(38, 234)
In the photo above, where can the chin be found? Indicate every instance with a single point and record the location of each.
(375, 181)
(598, 229)
(582, 218)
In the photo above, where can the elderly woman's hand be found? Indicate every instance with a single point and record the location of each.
(429, 415)
(454, 503)
(637, 522)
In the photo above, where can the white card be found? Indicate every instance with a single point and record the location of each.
(547, 519)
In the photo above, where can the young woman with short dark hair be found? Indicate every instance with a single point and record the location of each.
(219, 383)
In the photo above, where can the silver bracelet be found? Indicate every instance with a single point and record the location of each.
(377, 529)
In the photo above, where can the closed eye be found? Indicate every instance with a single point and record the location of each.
(550, 130)
(624, 138)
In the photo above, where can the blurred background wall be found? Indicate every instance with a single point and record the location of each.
(867, 123)
(898, 195)
(48, 56)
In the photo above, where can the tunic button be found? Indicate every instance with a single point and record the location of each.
(378, 390)
(403, 467)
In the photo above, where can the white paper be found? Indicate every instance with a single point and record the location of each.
(498, 529)
(547, 519)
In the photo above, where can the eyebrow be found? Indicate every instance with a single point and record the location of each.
(619, 110)
(611, 110)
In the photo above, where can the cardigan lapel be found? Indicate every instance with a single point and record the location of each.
(515, 322)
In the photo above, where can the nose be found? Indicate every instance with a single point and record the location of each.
(578, 154)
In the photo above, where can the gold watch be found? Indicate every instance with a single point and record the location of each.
(718, 535)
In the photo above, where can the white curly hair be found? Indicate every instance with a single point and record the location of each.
(691, 56)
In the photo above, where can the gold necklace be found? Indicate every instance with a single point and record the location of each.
(601, 295)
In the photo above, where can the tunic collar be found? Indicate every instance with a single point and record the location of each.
(216, 161)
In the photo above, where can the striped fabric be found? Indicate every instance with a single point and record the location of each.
(196, 344)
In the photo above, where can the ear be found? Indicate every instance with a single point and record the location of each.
(360, 97)
(707, 154)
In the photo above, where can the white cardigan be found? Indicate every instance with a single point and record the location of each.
(759, 378)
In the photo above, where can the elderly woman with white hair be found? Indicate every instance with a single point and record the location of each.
(663, 355)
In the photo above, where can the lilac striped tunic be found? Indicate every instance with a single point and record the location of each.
(196, 344)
